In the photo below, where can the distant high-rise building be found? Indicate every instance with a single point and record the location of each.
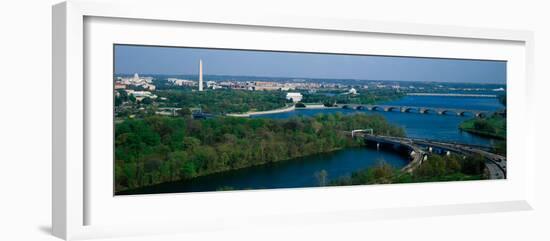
(200, 75)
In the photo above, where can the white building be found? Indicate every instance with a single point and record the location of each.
(181, 82)
(136, 80)
(213, 85)
(294, 96)
(352, 91)
(140, 95)
(149, 87)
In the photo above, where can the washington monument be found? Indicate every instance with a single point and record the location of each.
(200, 75)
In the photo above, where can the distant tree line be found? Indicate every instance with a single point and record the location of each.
(225, 101)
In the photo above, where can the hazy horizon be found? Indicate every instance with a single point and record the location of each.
(156, 60)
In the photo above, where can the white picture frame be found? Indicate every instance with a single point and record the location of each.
(73, 187)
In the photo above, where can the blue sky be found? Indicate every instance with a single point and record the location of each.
(173, 60)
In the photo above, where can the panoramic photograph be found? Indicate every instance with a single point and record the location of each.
(205, 119)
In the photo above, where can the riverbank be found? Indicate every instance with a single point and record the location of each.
(493, 127)
(483, 134)
(282, 110)
(317, 106)
(275, 111)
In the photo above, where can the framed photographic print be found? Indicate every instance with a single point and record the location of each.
(276, 119)
(205, 122)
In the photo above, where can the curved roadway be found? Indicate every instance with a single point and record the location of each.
(495, 164)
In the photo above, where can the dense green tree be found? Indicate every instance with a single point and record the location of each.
(483, 125)
(146, 101)
(118, 101)
(184, 112)
(132, 98)
(473, 165)
(321, 177)
(502, 99)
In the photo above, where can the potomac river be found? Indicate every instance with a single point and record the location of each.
(300, 172)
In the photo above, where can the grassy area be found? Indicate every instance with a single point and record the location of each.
(493, 126)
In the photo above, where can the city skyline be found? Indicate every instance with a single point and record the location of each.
(183, 61)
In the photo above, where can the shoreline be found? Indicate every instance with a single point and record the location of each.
(482, 133)
(318, 106)
(275, 111)
(281, 110)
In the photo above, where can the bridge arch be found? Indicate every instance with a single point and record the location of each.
(466, 113)
(480, 114)
(392, 108)
(377, 108)
(427, 111)
(447, 112)
(410, 109)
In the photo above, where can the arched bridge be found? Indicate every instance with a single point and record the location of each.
(419, 150)
(417, 109)
(415, 153)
